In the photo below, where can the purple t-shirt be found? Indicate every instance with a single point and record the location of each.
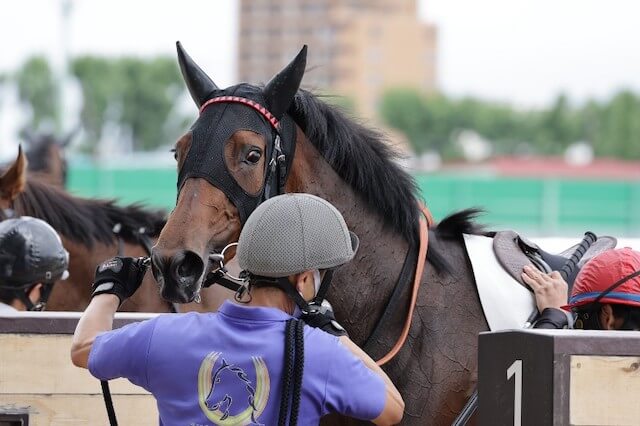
(225, 368)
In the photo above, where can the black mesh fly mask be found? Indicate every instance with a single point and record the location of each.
(237, 108)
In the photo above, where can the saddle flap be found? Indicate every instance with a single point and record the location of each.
(509, 252)
(506, 304)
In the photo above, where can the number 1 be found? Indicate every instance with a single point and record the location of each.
(516, 368)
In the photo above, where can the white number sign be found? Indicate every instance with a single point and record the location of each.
(516, 369)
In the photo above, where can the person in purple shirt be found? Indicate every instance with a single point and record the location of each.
(229, 368)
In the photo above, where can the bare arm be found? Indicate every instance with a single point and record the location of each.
(98, 317)
(394, 405)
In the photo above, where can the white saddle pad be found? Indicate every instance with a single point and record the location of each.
(505, 302)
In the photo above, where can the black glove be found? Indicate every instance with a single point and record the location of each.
(321, 316)
(120, 276)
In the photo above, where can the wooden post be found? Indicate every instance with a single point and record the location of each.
(559, 377)
(40, 385)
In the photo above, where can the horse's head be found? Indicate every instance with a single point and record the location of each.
(45, 153)
(218, 399)
(13, 181)
(237, 153)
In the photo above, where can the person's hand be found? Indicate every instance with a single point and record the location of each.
(322, 317)
(120, 276)
(550, 290)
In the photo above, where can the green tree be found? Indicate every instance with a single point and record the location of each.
(39, 92)
(619, 130)
(98, 82)
(136, 94)
(430, 122)
(406, 111)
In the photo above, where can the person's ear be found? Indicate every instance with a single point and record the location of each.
(305, 285)
(607, 318)
(35, 293)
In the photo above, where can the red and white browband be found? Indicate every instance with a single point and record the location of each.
(237, 99)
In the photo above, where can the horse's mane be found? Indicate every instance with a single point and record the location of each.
(85, 220)
(451, 228)
(363, 158)
(386, 188)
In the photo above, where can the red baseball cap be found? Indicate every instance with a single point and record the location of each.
(604, 270)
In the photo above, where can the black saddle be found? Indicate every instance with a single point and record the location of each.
(514, 252)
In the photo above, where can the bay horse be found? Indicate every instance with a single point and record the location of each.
(46, 157)
(86, 229)
(226, 165)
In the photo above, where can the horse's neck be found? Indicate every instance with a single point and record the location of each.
(360, 288)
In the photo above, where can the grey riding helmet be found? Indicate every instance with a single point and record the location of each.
(292, 233)
(30, 252)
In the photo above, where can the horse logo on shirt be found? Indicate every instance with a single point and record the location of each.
(215, 379)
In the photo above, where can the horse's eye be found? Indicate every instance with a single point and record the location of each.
(253, 156)
(175, 154)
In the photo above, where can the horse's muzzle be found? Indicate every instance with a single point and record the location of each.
(178, 276)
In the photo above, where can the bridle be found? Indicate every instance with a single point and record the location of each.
(275, 177)
(274, 182)
(276, 171)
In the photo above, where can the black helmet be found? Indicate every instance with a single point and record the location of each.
(30, 252)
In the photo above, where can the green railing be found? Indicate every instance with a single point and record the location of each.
(538, 206)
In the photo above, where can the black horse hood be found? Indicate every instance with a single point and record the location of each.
(215, 126)
(243, 107)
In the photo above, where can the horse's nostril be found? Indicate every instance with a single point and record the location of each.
(158, 263)
(188, 266)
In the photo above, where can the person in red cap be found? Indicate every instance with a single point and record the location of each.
(605, 295)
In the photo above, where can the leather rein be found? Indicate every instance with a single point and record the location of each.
(426, 220)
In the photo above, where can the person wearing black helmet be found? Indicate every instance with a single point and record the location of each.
(32, 258)
(254, 362)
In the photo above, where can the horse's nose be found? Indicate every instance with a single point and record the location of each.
(178, 275)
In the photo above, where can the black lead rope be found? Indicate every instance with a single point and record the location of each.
(108, 402)
(146, 242)
(292, 373)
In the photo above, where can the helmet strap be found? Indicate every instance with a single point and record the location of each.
(589, 318)
(324, 285)
(285, 285)
(41, 303)
(616, 285)
(589, 314)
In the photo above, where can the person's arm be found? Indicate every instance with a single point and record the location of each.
(116, 279)
(394, 404)
(98, 317)
(553, 319)
(550, 291)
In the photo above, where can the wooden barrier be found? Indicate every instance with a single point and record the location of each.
(559, 377)
(39, 384)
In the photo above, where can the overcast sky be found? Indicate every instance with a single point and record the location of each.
(524, 52)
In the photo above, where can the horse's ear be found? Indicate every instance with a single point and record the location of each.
(198, 82)
(280, 91)
(13, 181)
